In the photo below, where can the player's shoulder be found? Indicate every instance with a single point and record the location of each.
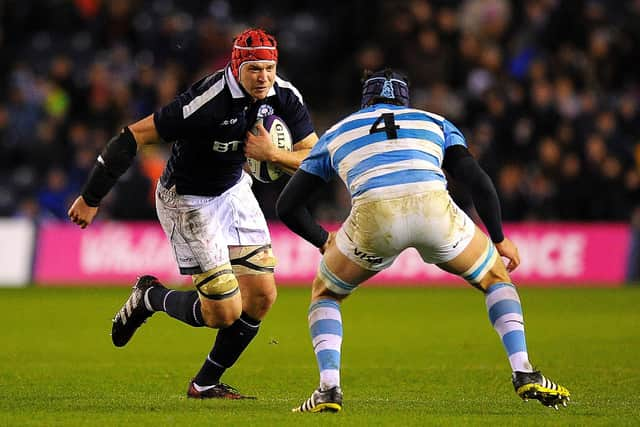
(214, 84)
(416, 113)
(428, 118)
(208, 95)
(286, 90)
(370, 114)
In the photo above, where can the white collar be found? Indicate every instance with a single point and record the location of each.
(234, 86)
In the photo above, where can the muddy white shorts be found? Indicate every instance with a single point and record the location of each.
(377, 231)
(201, 228)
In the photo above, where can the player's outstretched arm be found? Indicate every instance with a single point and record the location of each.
(293, 212)
(114, 160)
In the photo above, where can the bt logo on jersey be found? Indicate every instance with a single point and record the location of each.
(223, 147)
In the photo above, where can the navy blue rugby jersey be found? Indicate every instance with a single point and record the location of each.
(208, 125)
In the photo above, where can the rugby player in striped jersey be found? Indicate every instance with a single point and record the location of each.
(392, 159)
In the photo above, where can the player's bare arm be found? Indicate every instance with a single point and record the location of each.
(144, 131)
(119, 154)
(261, 148)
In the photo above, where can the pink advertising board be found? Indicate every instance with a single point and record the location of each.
(115, 253)
(551, 254)
(104, 253)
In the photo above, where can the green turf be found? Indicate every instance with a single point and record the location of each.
(410, 357)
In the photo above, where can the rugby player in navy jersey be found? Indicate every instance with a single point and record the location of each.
(204, 202)
(392, 157)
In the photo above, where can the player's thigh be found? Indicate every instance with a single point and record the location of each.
(373, 234)
(197, 229)
(369, 241)
(247, 225)
(338, 275)
(440, 229)
(479, 263)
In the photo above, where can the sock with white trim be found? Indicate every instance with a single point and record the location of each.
(181, 305)
(505, 314)
(325, 324)
(229, 345)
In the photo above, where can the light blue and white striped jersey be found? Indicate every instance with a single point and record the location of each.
(385, 151)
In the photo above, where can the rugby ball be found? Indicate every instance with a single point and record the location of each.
(280, 137)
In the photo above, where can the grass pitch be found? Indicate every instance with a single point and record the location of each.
(410, 357)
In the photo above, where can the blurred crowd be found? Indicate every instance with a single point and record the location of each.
(546, 91)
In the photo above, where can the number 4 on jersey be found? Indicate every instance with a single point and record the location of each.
(390, 127)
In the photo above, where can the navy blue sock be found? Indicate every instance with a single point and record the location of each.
(181, 305)
(229, 345)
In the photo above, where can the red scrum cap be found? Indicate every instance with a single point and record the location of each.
(253, 44)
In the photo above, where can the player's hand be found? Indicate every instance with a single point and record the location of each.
(509, 250)
(330, 239)
(81, 213)
(258, 146)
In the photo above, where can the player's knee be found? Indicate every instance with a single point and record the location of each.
(252, 260)
(218, 289)
(498, 274)
(321, 292)
(327, 284)
(487, 269)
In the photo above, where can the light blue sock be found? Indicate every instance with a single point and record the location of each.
(325, 324)
(505, 314)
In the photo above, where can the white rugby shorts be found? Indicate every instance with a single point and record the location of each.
(201, 228)
(376, 232)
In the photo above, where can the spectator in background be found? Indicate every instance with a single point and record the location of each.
(30, 208)
(131, 199)
(55, 196)
(511, 190)
(572, 195)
